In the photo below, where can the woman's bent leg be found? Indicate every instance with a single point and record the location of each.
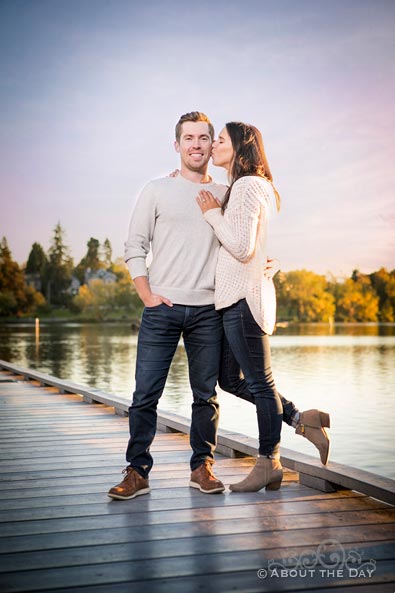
(232, 381)
(251, 349)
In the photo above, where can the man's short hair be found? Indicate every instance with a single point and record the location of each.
(193, 116)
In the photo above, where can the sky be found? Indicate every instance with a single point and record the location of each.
(90, 92)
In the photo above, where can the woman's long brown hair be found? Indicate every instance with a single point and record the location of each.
(249, 157)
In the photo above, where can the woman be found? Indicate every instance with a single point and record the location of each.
(246, 297)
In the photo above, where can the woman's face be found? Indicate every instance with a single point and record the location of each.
(222, 151)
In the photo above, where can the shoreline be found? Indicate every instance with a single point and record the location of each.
(136, 322)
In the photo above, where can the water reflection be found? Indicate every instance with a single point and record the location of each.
(346, 370)
(348, 329)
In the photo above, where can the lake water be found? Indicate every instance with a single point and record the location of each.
(346, 370)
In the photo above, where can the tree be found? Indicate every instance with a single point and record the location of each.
(383, 283)
(126, 296)
(107, 254)
(95, 299)
(59, 268)
(356, 300)
(91, 261)
(92, 258)
(12, 282)
(16, 298)
(99, 298)
(37, 260)
(304, 296)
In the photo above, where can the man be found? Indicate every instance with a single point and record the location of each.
(178, 294)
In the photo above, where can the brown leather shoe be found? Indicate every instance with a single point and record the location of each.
(132, 485)
(204, 479)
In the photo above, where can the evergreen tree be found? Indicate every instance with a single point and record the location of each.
(107, 254)
(91, 261)
(37, 260)
(59, 268)
(92, 258)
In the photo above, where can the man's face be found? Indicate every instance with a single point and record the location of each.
(194, 145)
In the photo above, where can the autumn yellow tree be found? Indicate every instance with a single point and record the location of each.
(383, 283)
(303, 296)
(95, 299)
(356, 299)
(100, 299)
(16, 298)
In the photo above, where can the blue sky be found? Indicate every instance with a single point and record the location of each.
(91, 91)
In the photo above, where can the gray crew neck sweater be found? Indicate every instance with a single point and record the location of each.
(168, 220)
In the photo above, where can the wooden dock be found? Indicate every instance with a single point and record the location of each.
(59, 532)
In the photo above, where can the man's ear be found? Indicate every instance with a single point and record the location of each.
(176, 146)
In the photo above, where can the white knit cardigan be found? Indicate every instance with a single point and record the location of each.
(242, 232)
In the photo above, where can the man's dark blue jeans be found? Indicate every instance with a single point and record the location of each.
(246, 347)
(159, 334)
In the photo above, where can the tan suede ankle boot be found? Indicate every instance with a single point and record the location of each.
(311, 426)
(266, 472)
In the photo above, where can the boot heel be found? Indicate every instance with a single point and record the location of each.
(274, 485)
(325, 419)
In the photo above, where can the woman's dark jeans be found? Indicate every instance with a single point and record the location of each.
(159, 334)
(246, 347)
(232, 381)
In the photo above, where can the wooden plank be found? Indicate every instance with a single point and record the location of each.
(81, 462)
(357, 535)
(71, 387)
(43, 453)
(237, 581)
(72, 432)
(234, 514)
(131, 571)
(115, 436)
(44, 497)
(77, 446)
(57, 421)
(171, 463)
(107, 476)
(113, 463)
(117, 432)
(179, 547)
(317, 483)
(102, 484)
(101, 508)
(60, 417)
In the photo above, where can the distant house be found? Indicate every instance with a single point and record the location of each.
(107, 277)
(74, 286)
